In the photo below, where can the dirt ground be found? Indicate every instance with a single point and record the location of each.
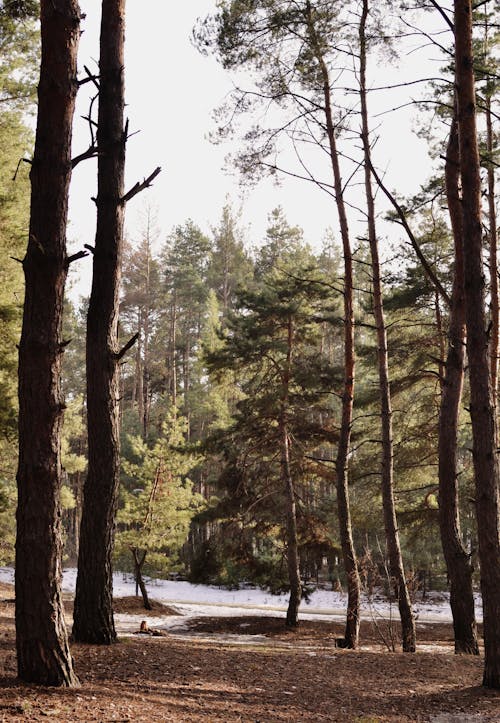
(214, 672)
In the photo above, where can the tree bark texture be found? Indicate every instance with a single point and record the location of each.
(458, 563)
(396, 566)
(93, 618)
(342, 461)
(482, 408)
(43, 654)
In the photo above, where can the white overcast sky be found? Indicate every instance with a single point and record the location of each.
(171, 91)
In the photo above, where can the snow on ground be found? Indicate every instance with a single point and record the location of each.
(196, 600)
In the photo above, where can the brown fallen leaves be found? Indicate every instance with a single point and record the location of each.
(286, 676)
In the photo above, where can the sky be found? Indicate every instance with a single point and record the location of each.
(171, 92)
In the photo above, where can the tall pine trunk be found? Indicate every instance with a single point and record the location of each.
(93, 617)
(493, 254)
(351, 637)
(292, 547)
(391, 527)
(458, 563)
(482, 407)
(43, 654)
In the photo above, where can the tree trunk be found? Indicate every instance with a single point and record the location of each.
(139, 561)
(292, 550)
(93, 618)
(43, 655)
(482, 408)
(458, 564)
(391, 527)
(171, 361)
(342, 461)
(493, 255)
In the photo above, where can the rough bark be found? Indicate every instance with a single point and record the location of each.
(43, 654)
(458, 563)
(351, 637)
(391, 528)
(482, 408)
(93, 617)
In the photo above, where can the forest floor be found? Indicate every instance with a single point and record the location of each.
(251, 669)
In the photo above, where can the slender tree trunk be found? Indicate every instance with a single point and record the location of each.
(43, 655)
(140, 369)
(441, 339)
(93, 617)
(292, 551)
(458, 563)
(493, 255)
(171, 353)
(342, 461)
(145, 384)
(139, 560)
(391, 526)
(482, 408)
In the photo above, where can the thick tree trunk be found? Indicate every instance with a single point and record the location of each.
(43, 654)
(458, 563)
(93, 618)
(482, 408)
(341, 464)
(391, 527)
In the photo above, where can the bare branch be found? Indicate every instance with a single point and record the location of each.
(402, 216)
(74, 257)
(130, 343)
(21, 160)
(140, 186)
(443, 15)
(91, 152)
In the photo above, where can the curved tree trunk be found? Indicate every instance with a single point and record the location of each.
(351, 637)
(458, 564)
(482, 408)
(391, 527)
(139, 560)
(43, 654)
(93, 617)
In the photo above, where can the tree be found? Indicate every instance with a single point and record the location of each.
(158, 503)
(482, 406)
(42, 645)
(269, 344)
(140, 312)
(93, 611)
(289, 44)
(185, 260)
(458, 562)
(229, 265)
(391, 525)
